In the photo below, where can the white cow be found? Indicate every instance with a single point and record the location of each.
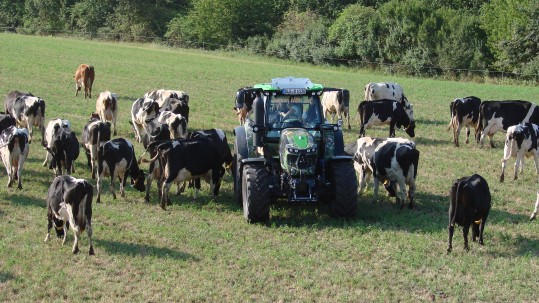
(14, 151)
(521, 140)
(176, 124)
(161, 95)
(142, 110)
(106, 107)
(389, 91)
(336, 102)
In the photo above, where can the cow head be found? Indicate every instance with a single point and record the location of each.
(138, 181)
(410, 129)
(150, 107)
(59, 227)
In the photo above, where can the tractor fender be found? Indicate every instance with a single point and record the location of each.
(339, 143)
(241, 142)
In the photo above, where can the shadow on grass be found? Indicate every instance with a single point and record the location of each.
(143, 250)
(6, 276)
(422, 121)
(17, 197)
(419, 141)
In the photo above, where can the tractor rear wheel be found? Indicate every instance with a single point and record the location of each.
(344, 184)
(256, 192)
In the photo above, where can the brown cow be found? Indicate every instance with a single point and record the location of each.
(84, 77)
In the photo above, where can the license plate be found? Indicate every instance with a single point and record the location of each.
(294, 91)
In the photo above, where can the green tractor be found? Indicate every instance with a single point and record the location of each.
(288, 152)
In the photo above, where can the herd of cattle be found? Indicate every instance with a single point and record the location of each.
(159, 120)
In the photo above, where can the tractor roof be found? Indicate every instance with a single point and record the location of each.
(290, 86)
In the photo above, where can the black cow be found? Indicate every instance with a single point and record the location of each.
(94, 134)
(6, 120)
(116, 158)
(64, 149)
(244, 102)
(184, 160)
(28, 111)
(464, 112)
(176, 106)
(14, 151)
(380, 112)
(499, 115)
(470, 204)
(155, 132)
(69, 204)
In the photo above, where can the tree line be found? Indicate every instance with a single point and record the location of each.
(416, 37)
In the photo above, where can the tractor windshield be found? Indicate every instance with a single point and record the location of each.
(294, 111)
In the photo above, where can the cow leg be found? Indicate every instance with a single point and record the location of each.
(451, 230)
(392, 130)
(149, 187)
(197, 187)
(502, 176)
(98, 184)
(77, 88)
(90, 232)
(76, 243)
(482, 228)
(375, 189)
(112, 179)
(164, 195)
(534, 214)
(456, 133)
(363, 175)
(20, 164)
(47, 158)
(467, 134)
(362, 130)
(517, 164)
(347, 115)
(465, 230)
(491, 142)
(475, 231)
(401, 196)
(49, 226)
(122, 185)
(411, 192)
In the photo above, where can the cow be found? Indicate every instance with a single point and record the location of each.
(69, 204)
(470, 204)
(141, 110)
(116, 158)
(106, 107)
(94, 134)
(389, 91)
(28, 111)
(176, 106)
(336, 101)
(499, 115)
(155, 132)
(84, 78)
(53, 127)
(521, 140)
(184, 160)
(395, 162)
(363, 151)
(6, 120)
(379, 112)
(64, 149)
(176, 123)
(464, 113)
(161, 95)
(14, 146)
(244, 102)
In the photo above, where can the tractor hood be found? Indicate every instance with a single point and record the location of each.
(298, 152)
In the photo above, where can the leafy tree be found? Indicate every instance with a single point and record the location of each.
(46, 15)
(356, 33)
(11, 13)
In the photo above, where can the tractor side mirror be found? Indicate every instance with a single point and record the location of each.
(258, 128)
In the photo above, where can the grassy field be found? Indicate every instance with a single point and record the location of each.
(204, 250)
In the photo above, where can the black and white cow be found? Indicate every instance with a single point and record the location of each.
(189, 159)
(336, 101)
(69, 204)
(396, 162)
(244, 102)
(53, 127)
(464, 113)
(161, 95)
(94, 134)
(176, 106)
(155, 132)
(116, 158)
(176, 123)
(363, 152)
(499, 115)
(521, 140)
(470, 204)
(28, 111)
(141, 110)
(380, 112)
(64, 149)
(14, 151)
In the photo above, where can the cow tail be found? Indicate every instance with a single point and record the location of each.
(479, 127)
(457, 199)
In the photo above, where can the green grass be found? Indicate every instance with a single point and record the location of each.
(205, 251)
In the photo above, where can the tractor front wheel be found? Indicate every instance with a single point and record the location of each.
(344, 184)
(256, 192)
